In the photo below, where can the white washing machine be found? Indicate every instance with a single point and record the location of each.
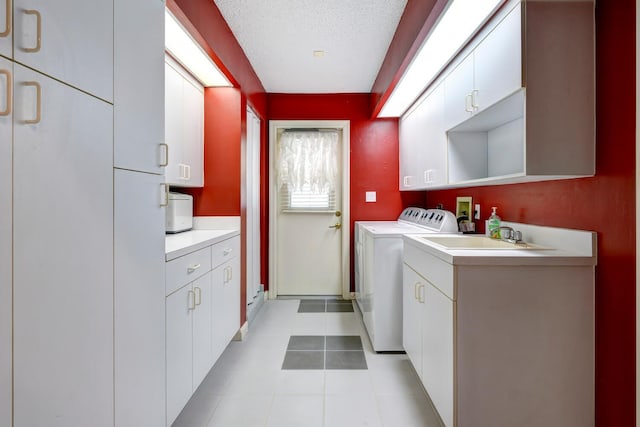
(378, 270)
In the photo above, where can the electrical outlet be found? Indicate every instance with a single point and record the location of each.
(476, 211)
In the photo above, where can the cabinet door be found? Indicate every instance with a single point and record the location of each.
(412, 147)
(226, 304)
(434, 168)
(458, 88)
(202, 334)
(232, 296)
(179, 312)
(6, 24)
(139, 305)
(138, 85)
(193, 136)
(63, 254)
(76, 41)
(498, 62)
(412, 317)
(437, 351)
(6, 229)
(173, 123)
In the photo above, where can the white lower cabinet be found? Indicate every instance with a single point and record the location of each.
(428, 339)
(189, 356)
(202, 328)
(493, 343)
(179, 306)
(202, 316)
(226, 304)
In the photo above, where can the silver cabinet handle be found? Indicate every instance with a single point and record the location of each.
(7, 19)
(165, 159)
(421, 294)
(164, 195)
(38, 103)
(7, 110)
(198, 298)
(415, 291)
(38, 45)
(474, 99)
(468, 104)
(193, 268)
(227, 251)
(192, 300)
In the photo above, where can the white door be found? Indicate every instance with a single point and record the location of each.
(253, 207)
(309, 220)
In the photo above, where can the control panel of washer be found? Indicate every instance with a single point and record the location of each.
(436, 220)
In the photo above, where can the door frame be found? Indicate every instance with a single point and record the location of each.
(344, 126)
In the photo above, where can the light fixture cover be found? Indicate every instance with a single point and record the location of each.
(457, 23)
(184, 49)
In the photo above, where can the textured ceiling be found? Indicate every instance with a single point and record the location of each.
(279, 38)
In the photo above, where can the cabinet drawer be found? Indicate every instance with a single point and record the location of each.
(225, 250)
(436, 271)
(187, 268)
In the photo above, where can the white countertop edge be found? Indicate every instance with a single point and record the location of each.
(180, 244)
(504, 256)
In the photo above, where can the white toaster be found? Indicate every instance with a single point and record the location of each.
(179, 213)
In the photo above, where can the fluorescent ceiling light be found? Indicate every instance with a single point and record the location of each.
(179, 43)
(458, 22)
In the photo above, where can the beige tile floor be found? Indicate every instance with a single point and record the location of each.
(248, 388)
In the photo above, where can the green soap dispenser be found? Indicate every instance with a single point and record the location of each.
(494, 224)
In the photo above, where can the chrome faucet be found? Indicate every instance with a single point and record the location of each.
(510, 235)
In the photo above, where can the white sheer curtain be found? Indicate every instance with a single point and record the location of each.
(307, 161)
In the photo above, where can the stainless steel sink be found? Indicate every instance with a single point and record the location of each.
(479, 242)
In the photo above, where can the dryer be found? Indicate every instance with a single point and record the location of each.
(378, 270)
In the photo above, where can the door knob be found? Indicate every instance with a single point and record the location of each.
(337, 226)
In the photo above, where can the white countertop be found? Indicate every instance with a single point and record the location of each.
(179, 244)
(568, 247)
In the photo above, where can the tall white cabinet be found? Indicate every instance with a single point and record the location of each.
(62, 253)
(139, 328)
(81, 243)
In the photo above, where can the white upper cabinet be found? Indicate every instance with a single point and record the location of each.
(139, 85)
(458, 93)
(423, 144)
(184, 127)
(69, 40)
(492, 71)
(6, 33)
(193, 132)
(519, 102)
(497, 62)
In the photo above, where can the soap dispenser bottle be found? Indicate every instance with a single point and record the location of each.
(494, 224)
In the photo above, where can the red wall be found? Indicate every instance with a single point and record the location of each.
(220, 195)
(374, 151)
(605, 203)
(224, 192)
